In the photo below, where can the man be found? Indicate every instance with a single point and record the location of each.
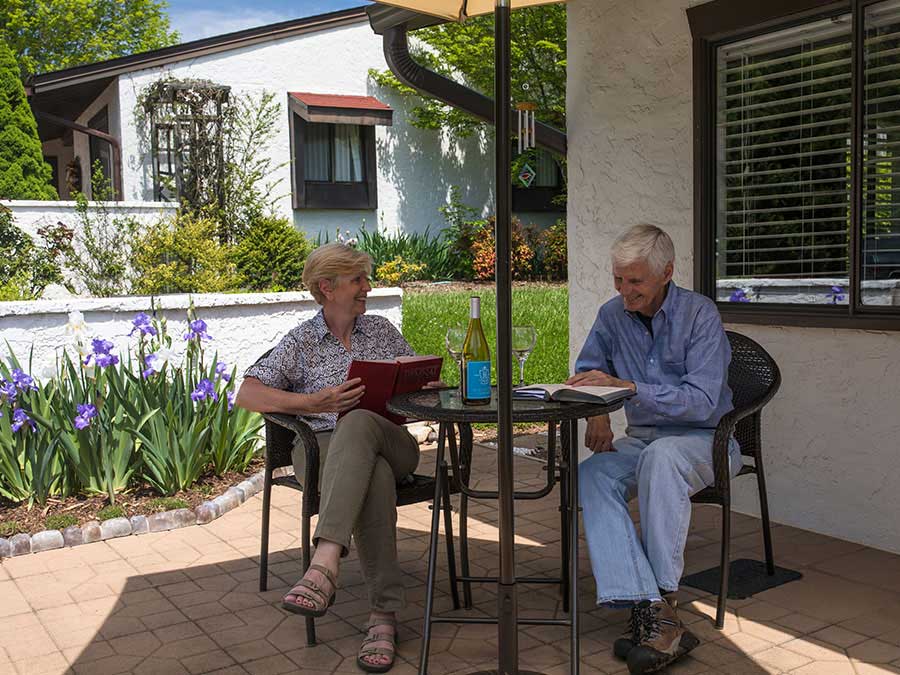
(667, 344)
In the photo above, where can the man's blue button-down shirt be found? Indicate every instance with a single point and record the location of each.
(681, 371)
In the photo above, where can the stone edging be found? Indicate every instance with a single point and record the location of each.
(206, 512)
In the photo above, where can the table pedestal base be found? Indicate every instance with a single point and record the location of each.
(497, 672)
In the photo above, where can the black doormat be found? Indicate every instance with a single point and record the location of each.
(745, 578)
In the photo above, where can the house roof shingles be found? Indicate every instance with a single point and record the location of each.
(339, 101)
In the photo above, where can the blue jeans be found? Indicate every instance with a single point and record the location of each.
(663, 466)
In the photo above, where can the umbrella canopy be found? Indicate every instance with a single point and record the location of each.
(459, 10)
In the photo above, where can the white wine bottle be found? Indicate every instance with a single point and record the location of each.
(476, 360)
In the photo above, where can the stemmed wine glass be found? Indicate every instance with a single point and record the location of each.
(523, 341)
(456, 336)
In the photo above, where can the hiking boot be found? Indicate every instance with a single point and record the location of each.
(663, 639)
(632, 634)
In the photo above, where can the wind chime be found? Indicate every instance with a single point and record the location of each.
(526, 137)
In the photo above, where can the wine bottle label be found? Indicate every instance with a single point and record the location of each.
(478, 379)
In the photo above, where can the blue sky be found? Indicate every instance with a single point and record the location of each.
(196, 19)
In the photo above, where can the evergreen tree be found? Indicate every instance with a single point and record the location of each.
(23, 172)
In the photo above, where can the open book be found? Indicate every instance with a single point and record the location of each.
(565, 392)
(386, 379)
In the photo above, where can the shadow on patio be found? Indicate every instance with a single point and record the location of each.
(186, 601)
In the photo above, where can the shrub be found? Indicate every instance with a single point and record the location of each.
(101, 251)
(60, 521)
(554, 251)
(522, 252)
(26, 267)
(10, 528)
(23, 172)
(398, 270)
(271, 255)
(183, 255)
(109, 512)
(166, 504)
(418, 249)
(459, 235)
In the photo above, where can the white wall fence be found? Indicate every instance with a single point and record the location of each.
(242, 326)
(30, 215)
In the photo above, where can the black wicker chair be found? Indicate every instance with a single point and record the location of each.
(281, 430)
(754, 379)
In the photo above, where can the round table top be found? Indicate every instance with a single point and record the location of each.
(445, 405)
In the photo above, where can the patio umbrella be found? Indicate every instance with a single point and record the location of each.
(460, 10)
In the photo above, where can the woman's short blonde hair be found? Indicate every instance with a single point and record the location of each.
(644, 243)
(331, 261)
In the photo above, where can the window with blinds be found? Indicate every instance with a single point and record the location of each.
(880, 217)
(783, 164)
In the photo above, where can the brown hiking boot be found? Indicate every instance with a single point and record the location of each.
(632, 634)
(663, 639)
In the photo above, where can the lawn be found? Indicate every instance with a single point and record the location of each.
(429, 310)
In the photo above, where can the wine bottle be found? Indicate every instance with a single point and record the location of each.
(476, 360)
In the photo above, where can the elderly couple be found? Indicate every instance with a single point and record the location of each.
(664, 342)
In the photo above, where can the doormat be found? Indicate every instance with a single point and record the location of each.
(745, 578)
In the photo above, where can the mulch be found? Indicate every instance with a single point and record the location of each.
(135, 501)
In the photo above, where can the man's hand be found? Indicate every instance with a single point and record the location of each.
(339, 398)
(597, 378)
(599, 435)
(436, 384)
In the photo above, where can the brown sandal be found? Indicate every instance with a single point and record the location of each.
(366, 651)
(312, 593)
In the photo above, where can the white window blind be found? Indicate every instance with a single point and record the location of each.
(783, 153)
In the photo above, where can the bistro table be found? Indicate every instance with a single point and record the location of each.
(446, 407)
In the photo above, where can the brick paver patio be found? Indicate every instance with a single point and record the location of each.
(186, 601)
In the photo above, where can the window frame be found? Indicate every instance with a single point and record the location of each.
(723, 21)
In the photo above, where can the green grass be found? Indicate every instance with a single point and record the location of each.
(60, 521)
(10, 528)
(166, 504)
(108, 512)
(428, 312)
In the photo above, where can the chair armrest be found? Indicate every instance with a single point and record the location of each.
(281, 430)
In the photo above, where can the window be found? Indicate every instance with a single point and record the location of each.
(797, 171)
(334, 156)
(541, 194)
(100, 151)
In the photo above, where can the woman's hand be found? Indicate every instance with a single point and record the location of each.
(339, 398)
(599, 435)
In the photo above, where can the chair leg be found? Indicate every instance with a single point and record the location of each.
(564, 529)
(306, 557)
(264, 538)
(764, 514)
(464, 549)
(432, 561)
(448, 535)
(725, 564)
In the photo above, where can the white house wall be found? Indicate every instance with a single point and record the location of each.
(416, 168)
(831, 434)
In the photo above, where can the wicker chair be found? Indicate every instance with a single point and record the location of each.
(754, 379)
(281, 430)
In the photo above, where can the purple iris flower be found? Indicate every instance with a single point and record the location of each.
(152, 363)
(8, 389)
(86, 412)
(836, 295)
(222, 371)
(205, 389)
(101, 354)
(197, 331)
(230, 397)
(20, 418)
(142, 325)
(22, 381)
(739, 295)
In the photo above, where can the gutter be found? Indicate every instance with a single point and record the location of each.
(412, 74)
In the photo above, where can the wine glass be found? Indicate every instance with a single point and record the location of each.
(523, 341)
(456, 336)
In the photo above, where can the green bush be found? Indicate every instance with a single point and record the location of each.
(183, 255)
(397, 271)
(553, 251)
(166, 504)
(109, 512)
(60, 521)
(10, 528)
(522, 251)
(459, 235)
(270, 257)
(23, 172)
(417, 249)
(26, 267)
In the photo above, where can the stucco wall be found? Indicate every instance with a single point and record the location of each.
(242, 326)
(416, 168)
(831, 433)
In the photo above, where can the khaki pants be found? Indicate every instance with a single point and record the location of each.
(360, 463)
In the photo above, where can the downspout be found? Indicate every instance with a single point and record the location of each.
(410, 73)
(112, 140)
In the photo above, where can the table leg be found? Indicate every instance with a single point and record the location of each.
(439, 467)
(572, 456)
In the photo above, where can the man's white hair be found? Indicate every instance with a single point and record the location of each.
(644, 243)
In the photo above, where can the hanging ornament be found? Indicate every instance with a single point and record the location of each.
(526, 133)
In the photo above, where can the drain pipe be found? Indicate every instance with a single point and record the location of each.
(410, 73)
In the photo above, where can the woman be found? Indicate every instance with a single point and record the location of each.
(363, 455)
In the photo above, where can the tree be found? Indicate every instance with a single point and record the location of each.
(23, 172)
(465, 52)
(47, 35)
